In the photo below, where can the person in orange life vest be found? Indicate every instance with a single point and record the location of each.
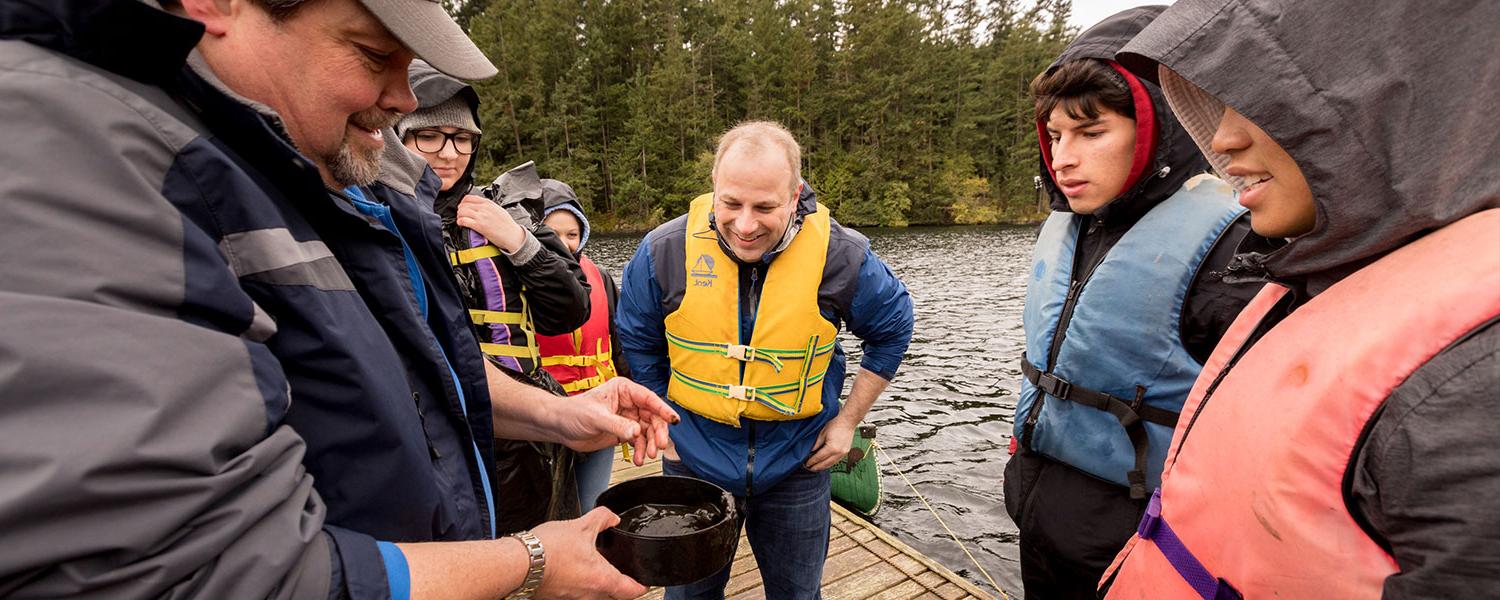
(1125, 302)
(589, 356)
(1341, 441)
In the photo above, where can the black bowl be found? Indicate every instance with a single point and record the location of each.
(681, 559)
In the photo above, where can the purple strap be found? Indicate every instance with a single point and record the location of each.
(1153, 527)
(494, 299)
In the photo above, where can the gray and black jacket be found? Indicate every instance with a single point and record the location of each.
(1384, 107)
(213, 379)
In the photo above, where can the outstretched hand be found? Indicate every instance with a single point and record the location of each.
(619, 411)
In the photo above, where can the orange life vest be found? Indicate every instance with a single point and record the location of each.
(1252, 501)
(582, 360)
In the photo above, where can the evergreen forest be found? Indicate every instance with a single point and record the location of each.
(909, 112)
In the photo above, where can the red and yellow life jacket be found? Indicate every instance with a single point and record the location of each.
(582, 360)
(1252, 500)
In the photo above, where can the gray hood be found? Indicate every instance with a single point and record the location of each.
(1386, 107)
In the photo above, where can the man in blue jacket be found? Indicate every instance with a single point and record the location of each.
(233, 364)
(732, 312)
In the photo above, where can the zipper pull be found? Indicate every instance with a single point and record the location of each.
(1073, 289)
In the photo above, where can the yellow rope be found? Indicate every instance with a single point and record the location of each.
(952, 535)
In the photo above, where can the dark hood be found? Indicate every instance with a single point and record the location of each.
(1387, 107)
(431, 89)
(1175, 150)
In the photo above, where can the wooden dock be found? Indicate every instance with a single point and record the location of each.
(863, 562)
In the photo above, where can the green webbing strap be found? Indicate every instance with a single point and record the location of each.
(764, 395)
(771, 356)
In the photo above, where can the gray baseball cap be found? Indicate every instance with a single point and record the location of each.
(427, 30)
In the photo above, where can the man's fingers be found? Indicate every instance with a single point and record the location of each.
(600, 519)
(622, 428)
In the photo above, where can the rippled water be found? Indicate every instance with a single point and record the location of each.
(946, 420)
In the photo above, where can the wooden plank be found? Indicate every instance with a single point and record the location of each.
(881, 549)
(905, 590)
(949, 591)
(635, 472)
(944, 572)
(846, 563)
(931, 579)
(911, 566)
(864, 583)
(840, 544)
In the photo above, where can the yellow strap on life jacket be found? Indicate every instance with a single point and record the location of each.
(521, 319)
(464, 257)
(495, 317)
(587, 383)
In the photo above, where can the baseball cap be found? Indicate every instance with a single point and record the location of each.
(427, 30)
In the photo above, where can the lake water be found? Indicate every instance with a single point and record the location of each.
(946, 419)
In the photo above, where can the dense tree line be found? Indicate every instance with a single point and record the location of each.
(911, 112)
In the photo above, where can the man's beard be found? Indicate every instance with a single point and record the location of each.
(358, 164)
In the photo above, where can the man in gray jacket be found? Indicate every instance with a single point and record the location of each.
(231, 363)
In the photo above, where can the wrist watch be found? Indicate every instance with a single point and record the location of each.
(537, 565)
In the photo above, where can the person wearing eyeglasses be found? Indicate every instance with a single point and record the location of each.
(495, 254)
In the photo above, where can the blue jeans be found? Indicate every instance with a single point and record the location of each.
(788, 530)
(592, 474)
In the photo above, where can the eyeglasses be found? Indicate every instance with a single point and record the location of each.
(432, 140)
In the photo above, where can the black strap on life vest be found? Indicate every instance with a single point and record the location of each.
(1133, 415)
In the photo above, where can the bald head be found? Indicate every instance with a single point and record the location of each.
(751, 139)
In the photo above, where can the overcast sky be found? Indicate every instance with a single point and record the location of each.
(1088, 12)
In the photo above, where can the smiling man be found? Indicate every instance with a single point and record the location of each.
(249, 373)
(732, 313)
(1125, 302)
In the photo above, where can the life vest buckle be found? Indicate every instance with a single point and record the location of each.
(740, 352)
(1151, 519)
(1054, 386)
(739, 392)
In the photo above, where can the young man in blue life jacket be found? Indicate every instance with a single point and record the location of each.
(1341, 442)
(1125, 302)
(731, 313)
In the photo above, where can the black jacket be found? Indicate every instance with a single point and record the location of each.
(533, 482)
(556, 290)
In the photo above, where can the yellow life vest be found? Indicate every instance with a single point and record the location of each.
(778, 376)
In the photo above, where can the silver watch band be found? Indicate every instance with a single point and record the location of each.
(538, 564)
